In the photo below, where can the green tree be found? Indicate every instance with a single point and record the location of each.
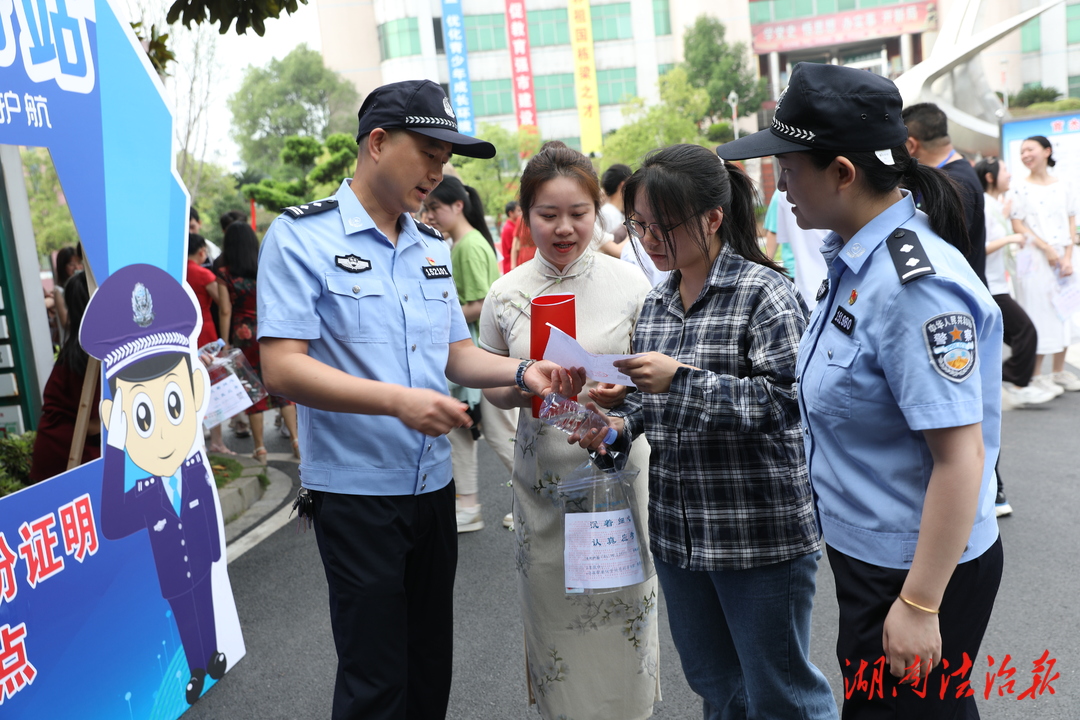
(246, 13)
(673, 120)
(1034, 94)
(49, 212)
(337, 163)
(296, 95)
(719, 67)
(310, 170)
(214, 191)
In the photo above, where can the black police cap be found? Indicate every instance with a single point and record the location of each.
(828, 107)
(422, 107)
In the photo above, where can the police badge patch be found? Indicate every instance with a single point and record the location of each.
(952, 345)
(352, 263)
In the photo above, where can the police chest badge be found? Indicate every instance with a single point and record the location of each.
(435, 272)
(352, 263)
(951, 342)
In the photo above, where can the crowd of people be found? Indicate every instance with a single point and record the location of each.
(845, 400)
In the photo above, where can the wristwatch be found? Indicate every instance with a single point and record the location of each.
(520, 378)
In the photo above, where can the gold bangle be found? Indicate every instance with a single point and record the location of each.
(919, 607)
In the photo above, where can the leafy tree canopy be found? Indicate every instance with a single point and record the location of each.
(719, 67)
(49, 212)
(296, 95)
(246, 13)
(311, 170)
(213, 192)
(1034, 94)
(673, 120)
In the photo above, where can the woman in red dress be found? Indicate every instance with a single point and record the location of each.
(63, 391)
(238, 320)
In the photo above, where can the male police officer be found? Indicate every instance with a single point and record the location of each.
(360, 324)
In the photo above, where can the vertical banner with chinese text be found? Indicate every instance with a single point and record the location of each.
(457, 57)
(588, 101)
(521, 65)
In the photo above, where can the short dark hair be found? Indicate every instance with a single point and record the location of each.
(195, 243)
(926, 122)
(1041, 139)
(63, 257)
(511, 207)
(554, 160)
(613, 177)
(152, 367)
(988, 166)
(193, 214)
(228, 218)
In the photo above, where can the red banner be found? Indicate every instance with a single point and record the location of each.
(517, 27)
(845, 27)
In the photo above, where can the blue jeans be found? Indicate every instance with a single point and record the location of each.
(743, 637)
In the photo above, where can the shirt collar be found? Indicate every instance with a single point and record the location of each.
(723, 273)
(572, 269)
(355, 218)
(855, 252)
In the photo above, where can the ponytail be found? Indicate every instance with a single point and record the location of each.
(452, 190)
(937, 194)
(939, 197)
(473, 210)
(739, 229)
(680, 182)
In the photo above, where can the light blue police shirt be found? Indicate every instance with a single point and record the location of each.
(881, 361)
(375, 311)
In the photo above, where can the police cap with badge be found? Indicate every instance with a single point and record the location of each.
(841, 110)
(422, 107)
(138, 322)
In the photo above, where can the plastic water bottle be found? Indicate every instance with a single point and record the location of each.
(573, 418)
(213, 347)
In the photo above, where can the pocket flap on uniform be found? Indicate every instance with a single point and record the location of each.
(438, 289)
(843, 353)
(352, 285)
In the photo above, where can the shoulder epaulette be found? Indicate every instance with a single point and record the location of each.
(909, 256)
(314, 208)
(428, 230)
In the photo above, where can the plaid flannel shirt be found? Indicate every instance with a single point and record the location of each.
(728, 485)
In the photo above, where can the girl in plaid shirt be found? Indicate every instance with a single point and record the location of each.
(731, 520)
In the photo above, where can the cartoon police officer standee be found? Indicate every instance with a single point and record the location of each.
(141, 325)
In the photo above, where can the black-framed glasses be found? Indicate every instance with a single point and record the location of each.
(636, 229)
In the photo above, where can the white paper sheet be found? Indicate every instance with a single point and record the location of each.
(1067, 299)
(567, 352)
(227, 397)
(601, 551)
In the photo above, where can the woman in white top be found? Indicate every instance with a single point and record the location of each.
(1020, 333)
(1043, 211)
(588, 657)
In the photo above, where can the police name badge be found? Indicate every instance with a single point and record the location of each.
(352, 263)
(844, 320)
(436, 272)
(952, 345)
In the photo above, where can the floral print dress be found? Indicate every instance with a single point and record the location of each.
(588, 657)
(243, 332)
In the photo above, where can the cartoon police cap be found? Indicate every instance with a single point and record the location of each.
(139, 312)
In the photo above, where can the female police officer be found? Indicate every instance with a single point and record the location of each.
(898, 378)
